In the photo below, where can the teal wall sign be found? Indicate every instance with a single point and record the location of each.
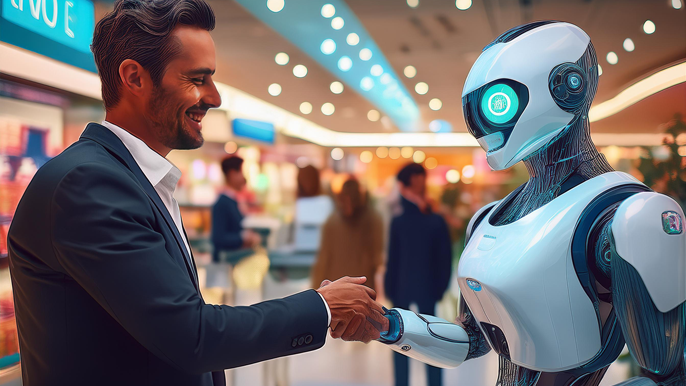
(60, 29)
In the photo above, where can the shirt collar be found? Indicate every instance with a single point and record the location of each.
(155, 167)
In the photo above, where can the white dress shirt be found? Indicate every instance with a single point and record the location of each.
(164, 177)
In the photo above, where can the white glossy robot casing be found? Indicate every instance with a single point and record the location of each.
(642, 240)
(542, 119)
(521, 279)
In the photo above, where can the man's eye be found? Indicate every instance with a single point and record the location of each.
(199, 81)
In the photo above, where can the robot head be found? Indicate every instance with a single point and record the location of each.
(526, 87)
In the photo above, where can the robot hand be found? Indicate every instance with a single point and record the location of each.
(426, 338)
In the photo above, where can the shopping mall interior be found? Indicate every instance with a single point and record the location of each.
(356, 89)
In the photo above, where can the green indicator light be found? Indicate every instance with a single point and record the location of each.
(500, 103)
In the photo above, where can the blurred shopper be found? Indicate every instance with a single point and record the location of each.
(419, 259)
(312, 208)
(227, 231)
(352, 239)
(104, 281)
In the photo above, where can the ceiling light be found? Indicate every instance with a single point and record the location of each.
(418, 156)
(435, 104)
(328, 47)
(413, 3)
(676, 4)
(410, 71)
(629, 45)
(337, 23)
(406, 152)
(649, 27)
(373, 115)
(366, 83)
(281, 58)
(306, 108)
(394, 153)
(431, 163)
(452, 176)
(352, 39)
(337, 154)
(274, 89)
(468, 171)
(275, 5)
(328, 10)
(463, 5)
(230, 147)
(421, 88)
(612, 57)
(386, 78)
(345, 63)
(336, 87)
(328, 108)
(365, 54)
(366, 156)
(382, 152)
(376, 70)
(600, 70)
(300, 71)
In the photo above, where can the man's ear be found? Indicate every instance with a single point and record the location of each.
(135, 79)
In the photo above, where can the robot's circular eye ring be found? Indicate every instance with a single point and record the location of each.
(500, 103)
(567, 84)
(574, 81)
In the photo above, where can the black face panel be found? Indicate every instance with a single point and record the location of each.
(497, 338)
(478, 123)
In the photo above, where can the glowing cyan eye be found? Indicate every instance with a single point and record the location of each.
(500, 103)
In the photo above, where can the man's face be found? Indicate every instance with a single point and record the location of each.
(181, 100)
(418, 184)
(235, 179)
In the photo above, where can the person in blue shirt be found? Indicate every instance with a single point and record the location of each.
(419, 259)
(227, 232)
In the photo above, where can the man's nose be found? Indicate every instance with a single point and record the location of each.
(212, 98)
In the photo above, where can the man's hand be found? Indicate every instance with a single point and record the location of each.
(355, 315)
(250, 239)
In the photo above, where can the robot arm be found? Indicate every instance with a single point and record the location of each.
(425, 338)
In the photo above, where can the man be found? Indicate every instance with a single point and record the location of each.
(105, 287)
(419, 259)
(227, 232)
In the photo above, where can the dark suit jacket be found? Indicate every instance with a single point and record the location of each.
(226, 226)
(103, 288)
(419, 257)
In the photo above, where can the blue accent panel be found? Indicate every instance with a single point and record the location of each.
(258, 130)
(63, 33)
(474, 285)
(302, 24)
(395, 328)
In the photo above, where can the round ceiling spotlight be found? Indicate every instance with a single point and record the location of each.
(649, 27)
(421, 88)
(382, 152)
(386, 78)
(306, 108)
(365, 54)
(406, 152)
(366, 156)
(394, 153)
(274, 89)
(413, 3)
(300, 71)
(337, 153)
(275, 5)
(345, 63)
(629, 45)
(410, 71)
(328, 10)
(328, 47)
(366, 83)
(676, 4)
(328, 108)
(230, 147)
(435, 104)
(419, 156)
(336, 87)
(337, 23)
(352, 39)
(612, 58)
(431, 163)
(281, 58)
(463, 5)
(468, 171)
(376, 70)
(452, 176)
(373, 116)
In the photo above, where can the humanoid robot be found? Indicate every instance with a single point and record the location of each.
(581, 259)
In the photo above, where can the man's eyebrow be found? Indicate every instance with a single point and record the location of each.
(201, 71)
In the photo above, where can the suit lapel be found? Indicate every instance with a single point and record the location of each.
(109, 140)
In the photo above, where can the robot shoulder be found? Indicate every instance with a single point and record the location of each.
(477, 218)
(648, 233)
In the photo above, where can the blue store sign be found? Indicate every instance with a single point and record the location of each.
(60, 29)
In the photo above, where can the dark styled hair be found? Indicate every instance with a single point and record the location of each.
(141, 30)
(309, 184)
(232, 162)
(405, 174)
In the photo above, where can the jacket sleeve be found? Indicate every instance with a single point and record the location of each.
(391, 276)
(224, 237)
(443, 255)
(104, 238)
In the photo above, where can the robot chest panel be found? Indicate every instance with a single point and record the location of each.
(519, 282)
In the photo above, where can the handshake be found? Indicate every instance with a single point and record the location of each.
(355, 314)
